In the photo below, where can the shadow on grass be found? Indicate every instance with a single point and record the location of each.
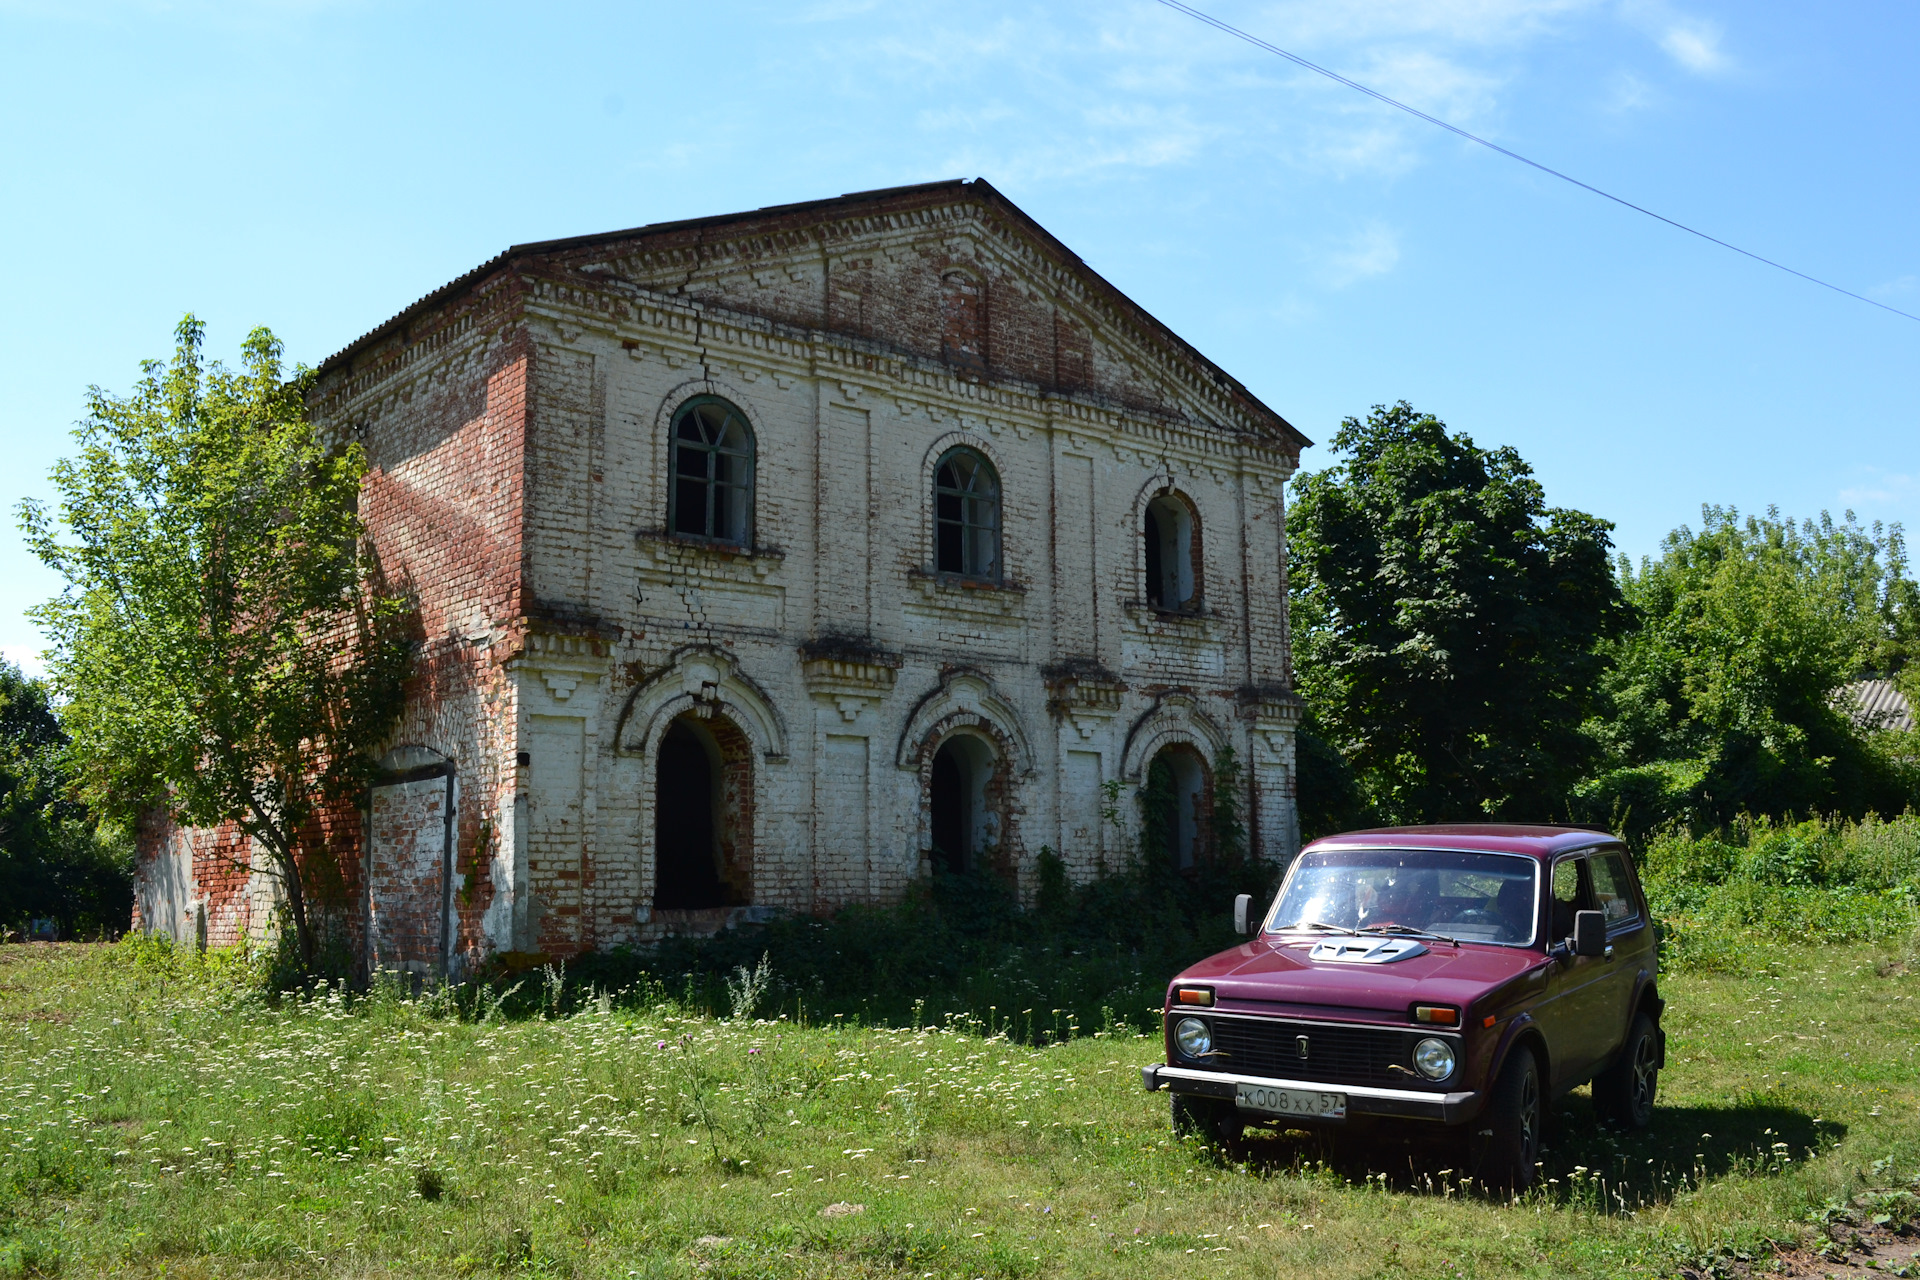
(1583, 1160)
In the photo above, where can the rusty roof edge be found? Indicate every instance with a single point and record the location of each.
(980, 187)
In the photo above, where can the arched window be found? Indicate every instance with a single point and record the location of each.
(712, 495)
(966, 516)
(1171, 535)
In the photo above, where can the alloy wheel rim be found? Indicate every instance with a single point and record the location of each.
(1643, 1074)
(1529, 1113)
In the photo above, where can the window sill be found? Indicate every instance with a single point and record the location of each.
(710, 546)
(960, 582)
(1142, 611)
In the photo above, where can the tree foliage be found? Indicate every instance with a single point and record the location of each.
(1725, 700)
(1446, 622)
(223, 648)
(55, 864)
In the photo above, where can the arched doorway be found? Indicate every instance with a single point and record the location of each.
(963, 824)
(700, 824)
(1177, 801)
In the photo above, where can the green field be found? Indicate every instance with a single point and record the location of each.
(161, 1117)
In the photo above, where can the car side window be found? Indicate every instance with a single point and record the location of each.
(1613, 888)
(1569, 895)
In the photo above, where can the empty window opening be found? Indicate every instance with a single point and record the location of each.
(964, 829)
(966, 516)
(1176, 803)
(712, 495)
(1172, 584)
(960, 314)
(698, 816)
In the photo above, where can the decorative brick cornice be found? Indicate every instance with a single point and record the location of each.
(850, 674)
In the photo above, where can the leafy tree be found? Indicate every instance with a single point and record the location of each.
(54, 863)
(1723, 700)
(1446, 622)
(224, 649)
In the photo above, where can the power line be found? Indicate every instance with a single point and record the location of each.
(1299, 61)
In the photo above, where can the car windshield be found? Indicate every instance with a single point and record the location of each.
(1474, 897)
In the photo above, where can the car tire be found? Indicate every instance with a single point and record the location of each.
(1624, 1093)
(1506, 1138)
(1218, 1124)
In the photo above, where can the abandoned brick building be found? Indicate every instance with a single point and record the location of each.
(768, 562)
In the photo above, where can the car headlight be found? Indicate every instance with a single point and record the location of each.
(1434, 1058)
(1194, 1037)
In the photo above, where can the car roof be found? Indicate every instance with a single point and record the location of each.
(1474, 837)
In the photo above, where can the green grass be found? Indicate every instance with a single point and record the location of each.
(160, 1117)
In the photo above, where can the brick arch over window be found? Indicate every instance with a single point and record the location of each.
(1173, 718)
(966, 705)
(703, 691)
(706, 679)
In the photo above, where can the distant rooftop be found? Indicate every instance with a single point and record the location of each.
(1876, 704)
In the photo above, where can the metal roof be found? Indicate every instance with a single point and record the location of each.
(1876, 704)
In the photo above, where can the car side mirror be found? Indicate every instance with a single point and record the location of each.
(1243, 908)
(1589, 933)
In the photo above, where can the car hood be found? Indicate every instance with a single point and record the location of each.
(1263, 971)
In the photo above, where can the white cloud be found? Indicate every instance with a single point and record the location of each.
(1894, 288)
(1466, 21)
(1430, 82)
(1695, 45)
(1630, 93)
(1881, 488)
(1372, 251)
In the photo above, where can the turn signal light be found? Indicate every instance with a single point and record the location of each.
(1196, 995)
(1439, 1013)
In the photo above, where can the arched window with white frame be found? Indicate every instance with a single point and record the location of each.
(712, 467)
(966, 516)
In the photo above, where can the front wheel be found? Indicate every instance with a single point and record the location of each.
(1625, 1091)
(1218, 1124)
(1506, 1140)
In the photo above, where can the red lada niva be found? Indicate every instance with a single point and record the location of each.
(1448, 976)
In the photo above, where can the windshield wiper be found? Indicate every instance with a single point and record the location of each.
(1316, 924)
(1407, 930)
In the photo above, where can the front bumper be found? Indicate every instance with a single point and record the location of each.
(1405, 1104)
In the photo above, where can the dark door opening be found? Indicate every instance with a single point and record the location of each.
(686, 855)
(951, 837)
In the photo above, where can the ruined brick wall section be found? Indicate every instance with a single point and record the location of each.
(443, 418)
(191, 884)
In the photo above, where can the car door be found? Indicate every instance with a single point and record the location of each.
(1629, 939)
(1576, 989)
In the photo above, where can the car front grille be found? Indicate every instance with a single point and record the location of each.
(1335, 1054)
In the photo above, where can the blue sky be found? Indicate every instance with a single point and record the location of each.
(315, 165)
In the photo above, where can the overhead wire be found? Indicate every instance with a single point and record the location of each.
(1180, 7)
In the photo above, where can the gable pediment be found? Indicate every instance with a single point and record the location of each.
(951, 272)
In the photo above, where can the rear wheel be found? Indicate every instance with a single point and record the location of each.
(1625, 1091)
(1217, 1124)
(1506, 1140)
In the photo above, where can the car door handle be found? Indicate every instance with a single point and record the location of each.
(1608, 953)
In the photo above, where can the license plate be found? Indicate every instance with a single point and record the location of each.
(1290, 1102)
